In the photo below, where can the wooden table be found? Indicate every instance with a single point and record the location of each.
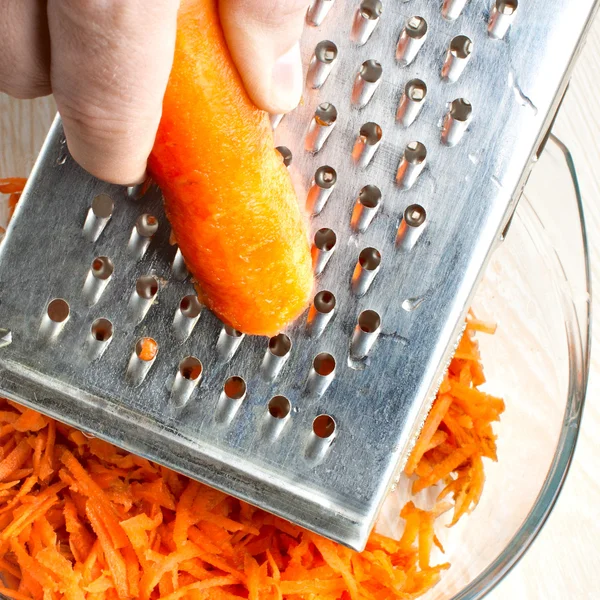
(564, 562)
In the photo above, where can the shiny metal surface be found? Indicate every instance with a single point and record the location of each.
(352, 421)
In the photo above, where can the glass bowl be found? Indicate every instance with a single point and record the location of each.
(537, 289)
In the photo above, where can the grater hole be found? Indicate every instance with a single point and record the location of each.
(231, 332)
(371, 133)
(102, 268)
(317, 11)
(102, 330)
(103, 206)
(146, 225)
(146, 287)
(324, 364)
(326, 114)
(415, 215)
(325, 239)
(326, 52)
(461, 109)
(325, 177)
(370, 71)
(58, 310)
(415, 153)
(324, 302)
(146, 349)
(324, 426)
(371, 9)
(461, 46)
(370, 196)
(369, 259)
(190, 368)
(235, 388)
(507, 7)
(416, 28)
(190, 306)
(369, 321)
(280, 345)
(416, 90)
(286, 154)
(279, 407)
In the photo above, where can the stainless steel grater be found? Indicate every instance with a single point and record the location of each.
(420, 123)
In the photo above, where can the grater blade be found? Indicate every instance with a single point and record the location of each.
(419, 125)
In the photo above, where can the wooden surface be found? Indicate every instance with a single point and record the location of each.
(564, 562)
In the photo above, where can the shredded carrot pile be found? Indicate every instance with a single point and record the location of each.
(13, 186)
(83, 520)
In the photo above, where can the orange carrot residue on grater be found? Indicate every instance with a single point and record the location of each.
(82, 520)
(147, 349)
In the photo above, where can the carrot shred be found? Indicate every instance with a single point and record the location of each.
(83, 520)
(12, 185)
(15, 459)
(13, 594)
(30, 420)
(430, 427)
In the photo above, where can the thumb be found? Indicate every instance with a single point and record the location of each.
(262, 36)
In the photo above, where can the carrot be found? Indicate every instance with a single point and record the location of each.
(80, 539)
(200, 585)
(56, 563)
(12, 185)
(183, 516)
(113, 557)
(440, 407)
(426, 539)
(99, 501)
(149, 349)
(162, 565)
(15, 459)
(30, 420)
(30, 565)
(13, 594)
(233, 210)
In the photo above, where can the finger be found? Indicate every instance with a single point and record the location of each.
(110, 65)
(262, 36)
(24, 48)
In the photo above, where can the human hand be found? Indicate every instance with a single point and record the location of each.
(107, 63)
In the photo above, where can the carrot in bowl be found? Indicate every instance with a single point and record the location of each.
(228, 195)
(82, 520)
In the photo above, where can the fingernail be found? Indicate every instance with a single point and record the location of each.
(286, 83)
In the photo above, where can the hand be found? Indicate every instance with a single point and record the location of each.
(107, 63)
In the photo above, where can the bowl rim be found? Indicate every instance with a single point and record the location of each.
(579, 342)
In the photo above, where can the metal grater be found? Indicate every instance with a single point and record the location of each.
(419, 126)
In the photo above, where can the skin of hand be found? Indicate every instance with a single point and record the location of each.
(107, 63)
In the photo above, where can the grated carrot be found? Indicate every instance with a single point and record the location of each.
(12, 185)
(15, 459)
(82, 520)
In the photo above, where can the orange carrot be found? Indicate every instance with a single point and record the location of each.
(13, 594)
(233, 210)
(15, 459)
(440, 407)
(113, 557)
(184, 518)
(98, 500)
(12, 185)
(149, 348)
